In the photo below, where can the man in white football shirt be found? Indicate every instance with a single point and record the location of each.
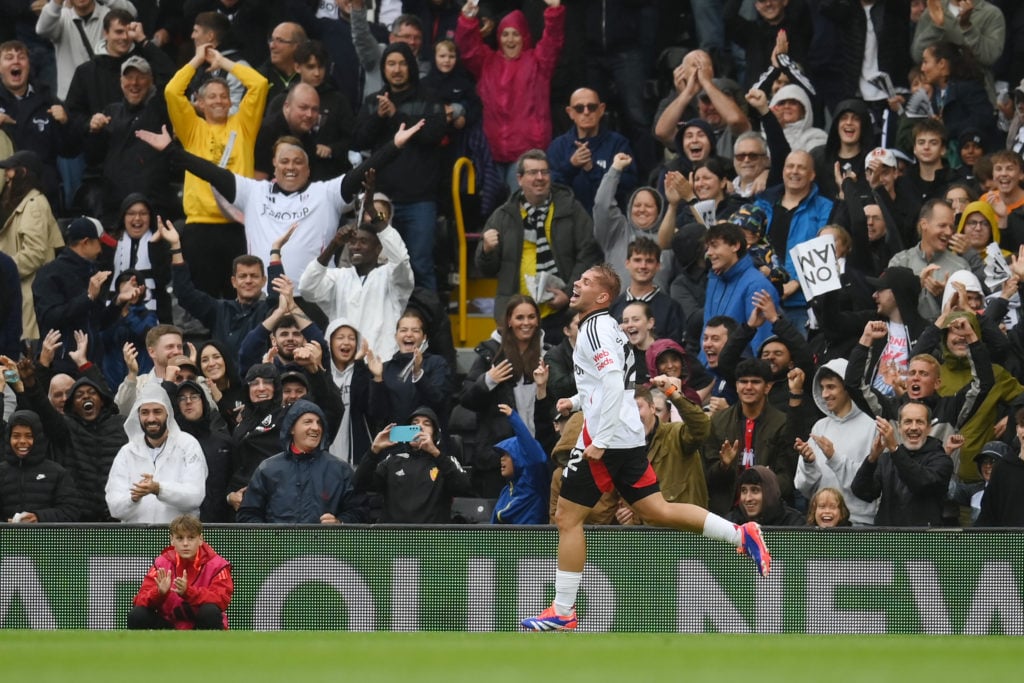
(271, 206)
(611, 452)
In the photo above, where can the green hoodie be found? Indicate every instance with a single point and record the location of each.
(956, 373)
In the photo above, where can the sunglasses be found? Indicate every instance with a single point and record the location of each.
(747, 156)
(589, 107)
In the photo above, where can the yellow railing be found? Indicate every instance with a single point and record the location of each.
(460, 225)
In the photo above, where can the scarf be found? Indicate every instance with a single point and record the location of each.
(134, 255)
(534, 219)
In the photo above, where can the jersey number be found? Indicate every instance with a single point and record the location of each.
(575, 456)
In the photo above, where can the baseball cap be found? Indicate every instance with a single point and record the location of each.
(751, 218)
(26, 159)
(897, 278)
(970, 135)
(993, 449)
(883, 155)
(184, 361)
(83, 228)
(138, 63)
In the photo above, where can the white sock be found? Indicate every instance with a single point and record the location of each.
(567, 584)
(722, 529)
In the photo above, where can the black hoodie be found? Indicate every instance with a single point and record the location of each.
(256, 436)
(414, 175)
(217, 449)
(774, 511)
(88, 446)
(417, 487)
(158, 276)
(826, 157)
(35, 483)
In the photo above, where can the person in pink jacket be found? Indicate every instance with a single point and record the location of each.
(514, 83)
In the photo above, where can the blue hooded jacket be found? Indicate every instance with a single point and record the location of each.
(291, 488)
(524, 500)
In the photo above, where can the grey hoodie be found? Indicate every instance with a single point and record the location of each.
(851, 437)
(614, 230)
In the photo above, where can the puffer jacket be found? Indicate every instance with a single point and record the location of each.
(86, 448)
(35, 483)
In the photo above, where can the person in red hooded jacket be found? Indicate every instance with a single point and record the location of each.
(514, 82)
(189, 585)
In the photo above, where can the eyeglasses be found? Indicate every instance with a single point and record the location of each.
(542, 172)
(977, 223)
(137, 214)
(274, 40)
(589, 107)
(747, 156)
(188, 398)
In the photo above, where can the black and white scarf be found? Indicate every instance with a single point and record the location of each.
(533, 231)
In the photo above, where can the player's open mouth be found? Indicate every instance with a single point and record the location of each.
(827, 517)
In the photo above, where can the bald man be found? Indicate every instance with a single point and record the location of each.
(796, 211)
(296, 114)
(60, 387)
(280, 69)
(582, 155)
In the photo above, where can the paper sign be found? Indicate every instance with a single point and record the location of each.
(997, 271)
(706, 210)
(817, 267)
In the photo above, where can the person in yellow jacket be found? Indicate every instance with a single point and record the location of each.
(210, 239)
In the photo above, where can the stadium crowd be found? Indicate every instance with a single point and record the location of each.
(226, 247)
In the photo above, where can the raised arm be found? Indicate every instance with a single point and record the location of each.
(221, 179)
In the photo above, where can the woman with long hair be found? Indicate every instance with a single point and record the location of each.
(28, 230)
(220, 368)
(958, 92)
(509, 369)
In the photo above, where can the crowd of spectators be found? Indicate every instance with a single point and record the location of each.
(226, 237)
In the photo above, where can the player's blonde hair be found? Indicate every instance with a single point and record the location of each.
(608, 279)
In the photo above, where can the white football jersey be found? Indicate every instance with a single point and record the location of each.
(269, 213)
(605, 378)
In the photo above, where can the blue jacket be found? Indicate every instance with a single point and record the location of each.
(297, 488)
(524, 500)
(227, 319)
(810, 216)
(603, 148)
(731, 293)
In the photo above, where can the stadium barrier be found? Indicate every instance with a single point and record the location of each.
(487, 578)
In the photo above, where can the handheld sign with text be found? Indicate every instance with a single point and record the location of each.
(817, 267)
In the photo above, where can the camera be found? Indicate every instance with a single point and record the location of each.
(11, 376)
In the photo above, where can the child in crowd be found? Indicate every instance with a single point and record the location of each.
(827, 509)
(189, 585)
(752, 219)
